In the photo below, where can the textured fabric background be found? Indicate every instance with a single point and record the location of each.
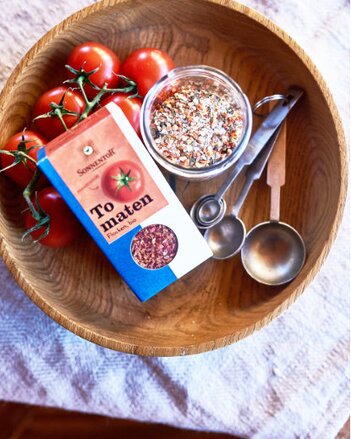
(288, 380)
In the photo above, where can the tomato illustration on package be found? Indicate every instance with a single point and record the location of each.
(118, 193)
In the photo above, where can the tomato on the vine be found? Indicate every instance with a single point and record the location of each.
(64, 227)
(51, 127)
(20, 173)
(123, 181)
(130, 106)
(92, 55)
(146, 66)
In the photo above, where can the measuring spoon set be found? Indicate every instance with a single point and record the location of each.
(272, 252)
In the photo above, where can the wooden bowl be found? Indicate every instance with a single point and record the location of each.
(217, 304)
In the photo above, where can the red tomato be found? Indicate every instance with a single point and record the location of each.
(51, 127)
(91, 55)
(19, 173)
(146, 66)
(123, 181)
(130, 106)
(64, 227)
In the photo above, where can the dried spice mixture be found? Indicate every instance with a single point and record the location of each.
(196, 124)
(154, 246)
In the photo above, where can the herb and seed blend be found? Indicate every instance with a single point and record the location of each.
(117, 191)
(196, 124)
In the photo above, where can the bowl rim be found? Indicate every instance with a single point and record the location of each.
(300, 282)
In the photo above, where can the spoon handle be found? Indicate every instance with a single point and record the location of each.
(254, 172)
(276, 173)
(238, 167)
(261, 137)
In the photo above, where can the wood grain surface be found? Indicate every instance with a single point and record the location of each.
(217, 303)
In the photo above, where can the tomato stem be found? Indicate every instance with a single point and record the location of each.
(21, 154)
(58, 111)
(28, 191)
(123, 180)
(19, 157)
(82, 78)
(91, 104)
(40, 216)
(58, 114)
(80, 82)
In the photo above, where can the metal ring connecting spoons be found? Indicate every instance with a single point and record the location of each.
(227, 237)
(210, 209)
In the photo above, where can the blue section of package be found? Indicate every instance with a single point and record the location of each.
(145, 283)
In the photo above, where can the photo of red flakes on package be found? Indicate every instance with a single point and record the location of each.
(154, 246)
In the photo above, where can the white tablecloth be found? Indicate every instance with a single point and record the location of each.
(287, 380)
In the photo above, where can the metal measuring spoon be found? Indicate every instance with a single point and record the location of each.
(209, 209)
(227, 237)
(274, 252)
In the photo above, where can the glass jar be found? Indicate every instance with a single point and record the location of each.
(196, 122)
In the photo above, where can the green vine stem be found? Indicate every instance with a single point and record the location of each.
(40, 216)
(28, 192)
(21, 155)
(90, 105)
(58, 111)
(82, 78)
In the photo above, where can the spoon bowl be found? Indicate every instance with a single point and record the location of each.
(273, 253)
(207, 211)
(227, 238)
